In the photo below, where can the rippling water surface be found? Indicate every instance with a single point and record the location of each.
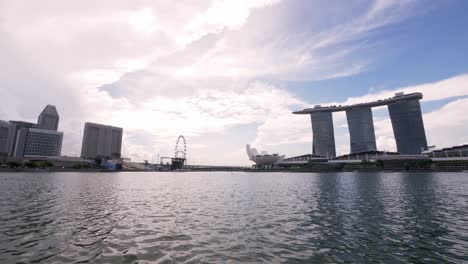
(233, 217)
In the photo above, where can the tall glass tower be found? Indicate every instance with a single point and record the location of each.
(48, 119)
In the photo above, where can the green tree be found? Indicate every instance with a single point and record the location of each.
(31, 164)
(380, 164)
(14, 164)
(46, 164)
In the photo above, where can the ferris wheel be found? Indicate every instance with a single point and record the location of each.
(180, 152)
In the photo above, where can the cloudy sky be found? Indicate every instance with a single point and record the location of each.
(226, 73)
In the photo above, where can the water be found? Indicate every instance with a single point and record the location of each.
(226, 217)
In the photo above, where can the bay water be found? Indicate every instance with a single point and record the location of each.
(233, 217)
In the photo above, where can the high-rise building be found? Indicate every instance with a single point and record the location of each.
(17, 138)
(101, 141)
(48, 119)
(41, 139)
(408, 126)
(4, 132)
(323, 134)
(41, 142)
(361, 129)
(405, 113)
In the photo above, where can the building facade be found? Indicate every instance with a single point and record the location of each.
(361, 129)
(101, 141)
(41, 142)
(323, 134)
(17, 138)
(48, 119)
(408, 126)
(4, 132)
(25, 138)
(460, 152)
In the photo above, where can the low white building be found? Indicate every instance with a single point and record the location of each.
(263, 159)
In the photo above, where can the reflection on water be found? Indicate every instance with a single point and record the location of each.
(233, 217)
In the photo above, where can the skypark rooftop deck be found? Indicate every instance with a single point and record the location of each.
(398, 97)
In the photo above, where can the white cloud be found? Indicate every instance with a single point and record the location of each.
(224, 14)
(143, 21)
(447, 126)
(164, 68)
(452, 87)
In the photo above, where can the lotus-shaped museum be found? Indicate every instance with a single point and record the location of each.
(263, 159)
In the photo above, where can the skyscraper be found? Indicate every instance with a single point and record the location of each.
(48, 119)
(41, 142)
(361, 129)
(405, 114)
(41, 139)
(323, 134)
(17, 137)
(408, 126)
(101, 141)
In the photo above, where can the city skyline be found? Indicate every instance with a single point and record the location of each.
(19, 139)
(229, 73)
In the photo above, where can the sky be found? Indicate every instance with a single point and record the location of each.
(226, 73)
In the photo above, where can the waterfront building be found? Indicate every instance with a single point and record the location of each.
(101, 141)
(408, 126)
(17, 137)
(4, 132)
(61, 161)
(405, 115)
(20, 143)
(301, 161)
(460, 152)
(48, 119)
(41, 142)
(25, 138)
(361, 129)
(323, 133)
(263, 159)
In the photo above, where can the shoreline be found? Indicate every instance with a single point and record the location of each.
(27, 170)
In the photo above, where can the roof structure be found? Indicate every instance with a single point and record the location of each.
(50, 110)
(398, 97)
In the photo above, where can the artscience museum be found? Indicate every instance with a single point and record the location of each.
(263, 159)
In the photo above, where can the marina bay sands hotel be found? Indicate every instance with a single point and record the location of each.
(405, 114)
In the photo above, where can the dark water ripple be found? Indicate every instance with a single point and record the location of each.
(234, 218)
